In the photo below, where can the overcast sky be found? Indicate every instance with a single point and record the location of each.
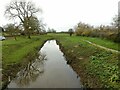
(64, 14)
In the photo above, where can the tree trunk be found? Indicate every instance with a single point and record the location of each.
(15, 37)
(27, 31)
(28, 34)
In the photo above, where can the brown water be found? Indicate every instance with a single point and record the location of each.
(49, 70)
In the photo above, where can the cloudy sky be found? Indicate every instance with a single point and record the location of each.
(64, 14)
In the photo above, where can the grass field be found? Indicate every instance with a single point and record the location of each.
(96, 67)
(14, 51)
(100, 66)
(103, 42)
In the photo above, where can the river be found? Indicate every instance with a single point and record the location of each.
(49, 70)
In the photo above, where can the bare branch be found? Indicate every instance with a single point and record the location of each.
(22, 10)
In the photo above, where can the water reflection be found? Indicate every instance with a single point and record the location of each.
(31, 71)
(52, 73)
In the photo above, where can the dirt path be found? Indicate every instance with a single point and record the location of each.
(108, 49)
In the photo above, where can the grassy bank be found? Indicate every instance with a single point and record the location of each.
(14, 51)
(16, 54)
(97, 68)
(103, 42)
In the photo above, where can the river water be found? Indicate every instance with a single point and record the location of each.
(49, 70)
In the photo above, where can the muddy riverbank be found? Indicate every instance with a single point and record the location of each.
(9, 72)
(78, 64)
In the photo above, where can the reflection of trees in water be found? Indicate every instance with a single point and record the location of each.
(31, 71)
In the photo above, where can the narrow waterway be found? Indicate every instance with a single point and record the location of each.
(49, 70)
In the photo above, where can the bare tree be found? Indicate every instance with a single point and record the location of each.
(22, 10)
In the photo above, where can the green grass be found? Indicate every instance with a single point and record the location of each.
(102, 42)
(16, 54)
(100, 65)
(94, 62)
(14, 51)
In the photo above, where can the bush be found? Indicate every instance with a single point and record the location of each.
(104, 32)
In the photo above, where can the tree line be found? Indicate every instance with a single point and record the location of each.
(111, 32)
